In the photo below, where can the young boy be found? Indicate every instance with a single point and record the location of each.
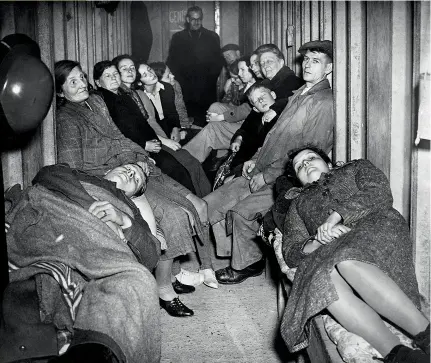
(251, 135)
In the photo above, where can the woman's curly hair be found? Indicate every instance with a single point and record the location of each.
(290, 170)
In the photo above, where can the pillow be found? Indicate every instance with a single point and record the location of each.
(351, 347)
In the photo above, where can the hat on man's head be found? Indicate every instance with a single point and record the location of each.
(229, 46)
(322, 46)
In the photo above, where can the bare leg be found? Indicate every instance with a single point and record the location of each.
(380, 292)
(359, 318)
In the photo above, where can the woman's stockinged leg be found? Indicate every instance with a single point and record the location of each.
(163, 273)
(203, 248)
(380, 292)
(359, 318)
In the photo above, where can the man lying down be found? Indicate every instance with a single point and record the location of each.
(85, 244)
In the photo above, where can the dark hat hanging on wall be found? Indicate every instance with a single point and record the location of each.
(26, 89)
(109, 6)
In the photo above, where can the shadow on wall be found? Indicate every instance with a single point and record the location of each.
(142, 36)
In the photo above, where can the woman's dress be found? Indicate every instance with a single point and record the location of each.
(379, 235)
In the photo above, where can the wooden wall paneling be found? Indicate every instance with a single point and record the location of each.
(45, 24)
(259, 24)
(401, 108)
(82, 36)
(120, 35)
(356, 80)
(72, 45)
(155, 16)
(270, 23)
(91, 41)
(286, 28)
(25, 14)
(256, 25)
(166, 34)
(97, 36)
(58, 31)
(306, 21)
(315, 20)
(340, 87)
(298, 35)
(112, 52)
(280, 28)
(262, 38)
(379, 85)
(7, 18)
(115, 35)
(421, 158)
(104, 33)
(327, 23)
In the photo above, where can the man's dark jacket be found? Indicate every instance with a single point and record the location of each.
(196, 61)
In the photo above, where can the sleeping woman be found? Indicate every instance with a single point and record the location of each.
(353, 255)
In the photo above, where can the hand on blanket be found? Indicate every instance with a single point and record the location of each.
(106, 212)
(257, 182)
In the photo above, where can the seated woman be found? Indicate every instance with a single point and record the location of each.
(88, 139)
(128, 117)
(165, 75)
(86, 244)
(353, 255)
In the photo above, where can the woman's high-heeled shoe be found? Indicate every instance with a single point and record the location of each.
(209, 278)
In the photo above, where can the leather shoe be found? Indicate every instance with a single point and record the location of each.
(176, 308)
(180, 288)
(229, 276)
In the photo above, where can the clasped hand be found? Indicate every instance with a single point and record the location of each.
(327, 232)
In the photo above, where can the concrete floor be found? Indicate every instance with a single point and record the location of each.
(235, 323)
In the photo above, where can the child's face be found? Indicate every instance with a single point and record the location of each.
(262, 99)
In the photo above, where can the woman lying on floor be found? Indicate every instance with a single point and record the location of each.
(353, 255)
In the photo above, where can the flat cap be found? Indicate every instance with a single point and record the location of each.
(322, 46)
(229, 46)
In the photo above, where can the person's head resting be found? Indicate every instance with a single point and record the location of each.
(127, 68)
(245, 72)
(70, 82)
(230, 53)
(106, 75)
(261, 97)
(130, 178)
(146, 75)
(271, 60)
(233, 72)
(317, 61)
(307, 163)
(162, 72)
(194, 18)
(255, 65)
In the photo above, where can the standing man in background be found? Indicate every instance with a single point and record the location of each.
(195, 59)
